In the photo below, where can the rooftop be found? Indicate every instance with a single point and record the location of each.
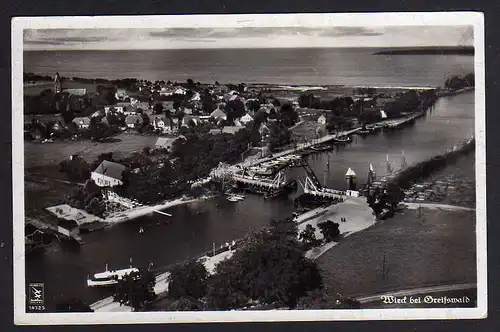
(111, 169)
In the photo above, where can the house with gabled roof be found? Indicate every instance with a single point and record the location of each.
(165, 143)
(226, 130)
(322, 119)
(134, 120)
(246, 119)
(218, 114)
(113, 108)
(82, 122)
(108, 174)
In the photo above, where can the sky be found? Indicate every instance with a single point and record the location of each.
(246, 37)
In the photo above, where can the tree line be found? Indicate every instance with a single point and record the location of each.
(459, 82)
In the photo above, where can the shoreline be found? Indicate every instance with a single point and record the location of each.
(144, 210)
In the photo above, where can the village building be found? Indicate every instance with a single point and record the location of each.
(108, 174)
(161, 123)
(322, 119)
(76, 92)
(194, 120)
(131, 110)
(82, 122)
(179, 91)
(204, 118)
(143, 105)
(113, 108)
(264, 130)
(245, 119)
(196, 97)
(97, 114)
(121, 94)
(164, 143)
(133, 121)
(218, 114)
(226, 130)
(167, 105)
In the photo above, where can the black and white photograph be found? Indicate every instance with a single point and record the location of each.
(292, 167)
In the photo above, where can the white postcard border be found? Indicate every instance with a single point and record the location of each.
(280, 20)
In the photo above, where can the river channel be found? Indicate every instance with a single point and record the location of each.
(193, 228)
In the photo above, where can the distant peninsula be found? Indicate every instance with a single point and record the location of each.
(458, 50)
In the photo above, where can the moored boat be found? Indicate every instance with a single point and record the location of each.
(342, 139)
(109, 277)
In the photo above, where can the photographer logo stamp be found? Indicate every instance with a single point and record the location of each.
(36, 297)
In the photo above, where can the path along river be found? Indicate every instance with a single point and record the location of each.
(194, 227)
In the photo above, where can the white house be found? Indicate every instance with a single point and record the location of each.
(133, 121)
(196, 97)
(161, 123)
(180, 91)
(165, 143)
(82, 122)
(113, 108)
(121, 94)
(108, 174)
(218, 114)
(131, 110)
(246, 119)
(322, 119)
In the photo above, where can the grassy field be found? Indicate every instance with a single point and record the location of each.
(437, 248)
(35, 89)
(306, 129)
(36, 154)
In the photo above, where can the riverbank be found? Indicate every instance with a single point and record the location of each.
(149, 209)
(161, 285)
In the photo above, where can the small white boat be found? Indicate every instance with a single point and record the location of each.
(109, 278)
(235, 198)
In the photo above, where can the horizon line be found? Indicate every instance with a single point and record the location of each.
(243, 48)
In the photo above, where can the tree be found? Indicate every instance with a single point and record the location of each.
(330, 230)
(315, 299)
(287, 115)
(188, 280)
(284, 229)
(308, 236)
(266, 270)
(253, 105)
(96, 206)
(77, 169)
(136, 289)
(235, 109)
(179, 114)
(306, 100)
(385, 199)
(279, 135)
(158, 108)
(108, 156)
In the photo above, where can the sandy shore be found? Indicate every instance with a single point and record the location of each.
(358, 214)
